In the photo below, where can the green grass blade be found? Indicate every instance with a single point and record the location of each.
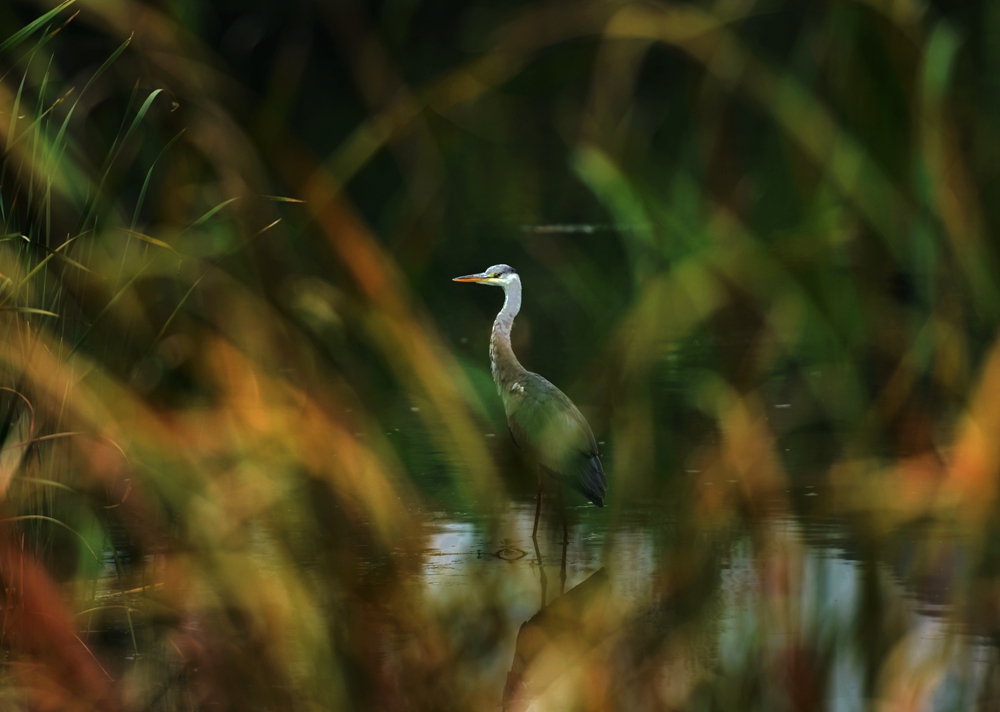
(107, 63)
(107, 307)
(12, 129)
(32, 26)
(140, 115)
(150, 240)
(194, 286)
(113, 150)
(35, 123)
(208, 216)
(59, 141)
(70, 261)
(53, 520)
(149, 174)
(32, 273)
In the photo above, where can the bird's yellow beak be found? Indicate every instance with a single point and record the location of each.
(481, 277)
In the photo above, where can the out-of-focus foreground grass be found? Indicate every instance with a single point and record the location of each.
(225, 233)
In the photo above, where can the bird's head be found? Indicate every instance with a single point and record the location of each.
(497, 275)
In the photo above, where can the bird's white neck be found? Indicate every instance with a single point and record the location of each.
(511, 306)
(503, 363)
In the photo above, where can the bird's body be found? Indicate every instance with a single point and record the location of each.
(542, 419)
(545, 424)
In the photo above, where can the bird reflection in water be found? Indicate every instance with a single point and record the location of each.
(560, 634)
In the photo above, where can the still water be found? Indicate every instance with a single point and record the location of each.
(786, 617)
(801, 601)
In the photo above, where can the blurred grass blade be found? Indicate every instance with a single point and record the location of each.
(48, 483)
(41, 263)
(29, 310)
(13, 451)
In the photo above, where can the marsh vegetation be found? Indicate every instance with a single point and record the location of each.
(252, 456)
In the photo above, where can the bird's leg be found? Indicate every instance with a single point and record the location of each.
(538, 508)
(562, 568)
(543, 579)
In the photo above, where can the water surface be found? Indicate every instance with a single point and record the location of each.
(789, 597)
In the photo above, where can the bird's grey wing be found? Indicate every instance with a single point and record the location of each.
(580, 465)
(544, 422)
(525, 422)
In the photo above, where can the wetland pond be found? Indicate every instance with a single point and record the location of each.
(800, 589)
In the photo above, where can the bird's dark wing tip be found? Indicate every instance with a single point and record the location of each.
(598, 502)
